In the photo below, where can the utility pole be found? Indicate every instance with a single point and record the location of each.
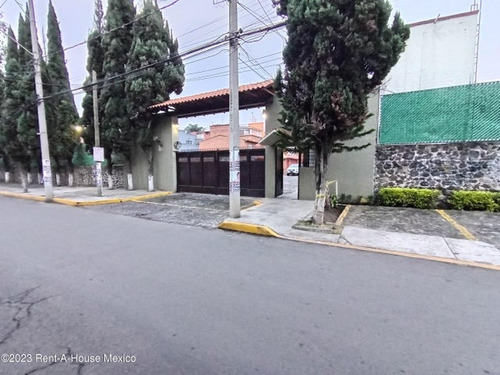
(97, 134)
(44, 142)
(234, 121)
(479, 7)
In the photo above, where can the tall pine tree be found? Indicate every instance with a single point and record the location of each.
(338, 52)
(152, 42)
(63, 106)
(116, 127)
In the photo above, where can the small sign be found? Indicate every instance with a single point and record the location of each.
(98, 154)
(177, 145)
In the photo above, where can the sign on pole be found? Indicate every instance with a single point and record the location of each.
(98, 154)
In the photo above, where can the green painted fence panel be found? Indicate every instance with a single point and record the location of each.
(451, 114)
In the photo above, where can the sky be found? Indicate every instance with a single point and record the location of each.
(199, 21)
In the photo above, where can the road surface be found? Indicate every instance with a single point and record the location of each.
(143, 297)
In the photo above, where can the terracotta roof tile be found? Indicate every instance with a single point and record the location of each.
(212, 94)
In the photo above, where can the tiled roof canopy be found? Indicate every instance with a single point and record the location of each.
(251, 96)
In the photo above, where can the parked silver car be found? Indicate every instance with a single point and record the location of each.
(293, 170)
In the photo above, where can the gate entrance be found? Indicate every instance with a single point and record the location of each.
(208, 172)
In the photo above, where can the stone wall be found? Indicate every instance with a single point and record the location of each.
(453, 166)
(85, 176)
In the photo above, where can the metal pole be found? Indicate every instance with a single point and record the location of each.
(44, 142)
(478, 37)
(234, 121)
(97, 134)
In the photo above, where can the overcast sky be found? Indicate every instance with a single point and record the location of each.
(198, 21)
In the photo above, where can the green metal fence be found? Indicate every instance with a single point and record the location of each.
(452, 114)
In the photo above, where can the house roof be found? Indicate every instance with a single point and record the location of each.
(251, 96)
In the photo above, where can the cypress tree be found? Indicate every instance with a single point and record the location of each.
(27, 127)
(4, 159)
(116, 127)
(13, 147)
(338, 52)
(94, 63)
(152, 42)
(63, 108)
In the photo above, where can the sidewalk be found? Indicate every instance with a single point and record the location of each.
(78, 196)
(275, 217)
(367, 228)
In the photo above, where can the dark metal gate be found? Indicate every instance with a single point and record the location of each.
(208, 172)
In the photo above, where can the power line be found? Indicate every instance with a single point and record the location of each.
(250, 60)
(265, 12)
(225, 66)
(22, 10)
(103, 81)
(14, 40)
(211, 45)
(224, 74)
(256, 72)
(226, 71)
(115, 29)
(257, 17)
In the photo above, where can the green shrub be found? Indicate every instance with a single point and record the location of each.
(475, 200)
(345, 198)
(81, 157)
(406, 197)
(333, 200)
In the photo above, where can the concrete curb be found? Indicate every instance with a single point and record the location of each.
(22, 196)
(261, 230)
(342, 216)
(75, 203)
(266, 231)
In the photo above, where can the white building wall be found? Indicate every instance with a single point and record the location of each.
(439, 53)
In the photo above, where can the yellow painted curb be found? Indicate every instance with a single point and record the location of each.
(73, 203)
(342, 216)
(153, 195)
(261, 230)
(400, 253)
(266, 231)
(139, 198)
(23, 196)
(468, 235)
(253, 204)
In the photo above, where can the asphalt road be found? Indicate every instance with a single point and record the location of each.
(176, 299)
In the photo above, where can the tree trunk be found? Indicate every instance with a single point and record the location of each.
(151, 183)
(321, 166)
(151, 179)
(69, 171)
(110, 180)
(128, 170)
(24, 180)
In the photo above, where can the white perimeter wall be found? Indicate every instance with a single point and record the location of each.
(438, 54)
